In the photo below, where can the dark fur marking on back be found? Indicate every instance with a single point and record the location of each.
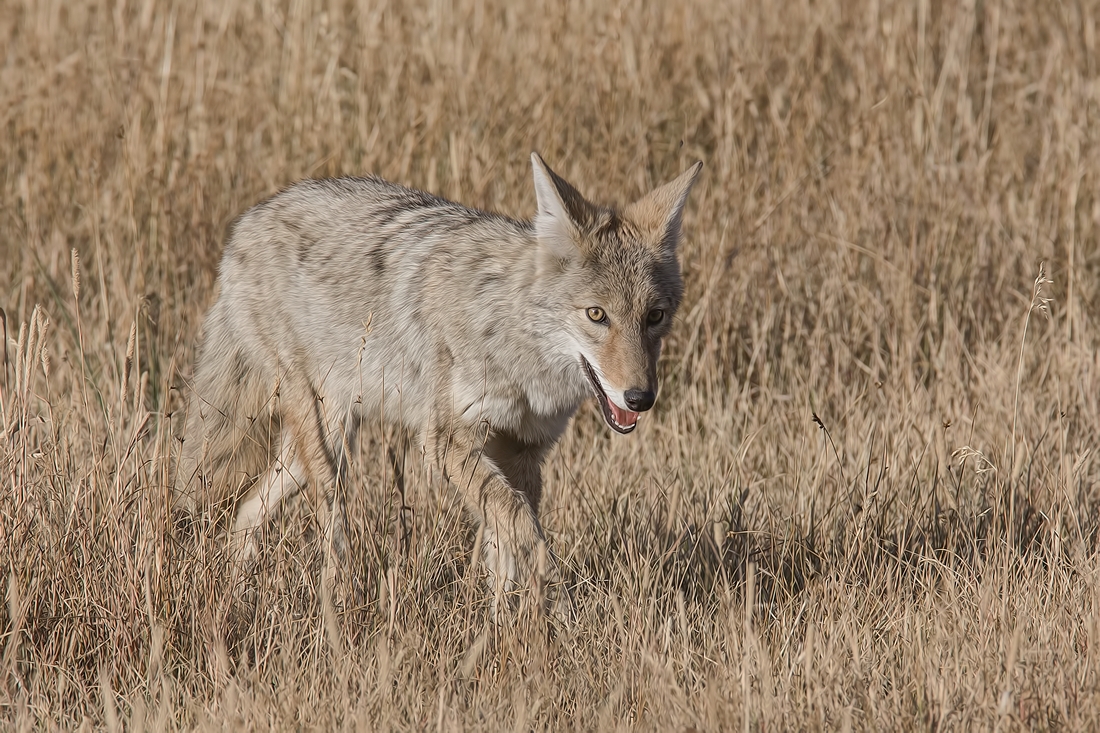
(378, 260)
(487, 282)
(240, 369)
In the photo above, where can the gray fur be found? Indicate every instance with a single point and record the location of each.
(348, 298)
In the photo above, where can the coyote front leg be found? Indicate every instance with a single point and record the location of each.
(521, 465)
(501, 487)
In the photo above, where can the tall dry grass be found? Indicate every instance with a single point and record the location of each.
(868, 496)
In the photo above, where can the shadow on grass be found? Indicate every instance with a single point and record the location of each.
(656, 554)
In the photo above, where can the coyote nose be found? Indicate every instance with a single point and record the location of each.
(639, 400)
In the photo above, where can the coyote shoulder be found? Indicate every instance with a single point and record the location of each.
(354, 298)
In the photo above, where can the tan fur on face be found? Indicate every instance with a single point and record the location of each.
(628, 358)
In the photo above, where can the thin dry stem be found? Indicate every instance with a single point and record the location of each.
(1039, 302)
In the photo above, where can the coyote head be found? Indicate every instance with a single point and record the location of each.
(619, 275)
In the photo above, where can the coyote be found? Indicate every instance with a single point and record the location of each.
(354, 298)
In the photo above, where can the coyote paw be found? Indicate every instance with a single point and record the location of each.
(244, 549)
(559, 603)
(545, 593)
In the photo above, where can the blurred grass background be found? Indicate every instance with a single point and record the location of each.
(867, 497)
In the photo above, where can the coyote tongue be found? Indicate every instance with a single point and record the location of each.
(625, 418)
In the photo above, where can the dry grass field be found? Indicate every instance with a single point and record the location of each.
(868, 498)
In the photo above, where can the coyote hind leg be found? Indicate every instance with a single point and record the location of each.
(285, 477)
(311, 455)
(322, 438)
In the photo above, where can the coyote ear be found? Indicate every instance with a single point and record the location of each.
(563, 212)
(546, 190)
(661, 210)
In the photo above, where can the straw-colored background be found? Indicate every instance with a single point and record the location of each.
(882, 183)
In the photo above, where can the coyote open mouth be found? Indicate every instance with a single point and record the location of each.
(618, 419)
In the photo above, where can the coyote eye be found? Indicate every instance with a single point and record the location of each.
(597, 315)
(655, 316)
